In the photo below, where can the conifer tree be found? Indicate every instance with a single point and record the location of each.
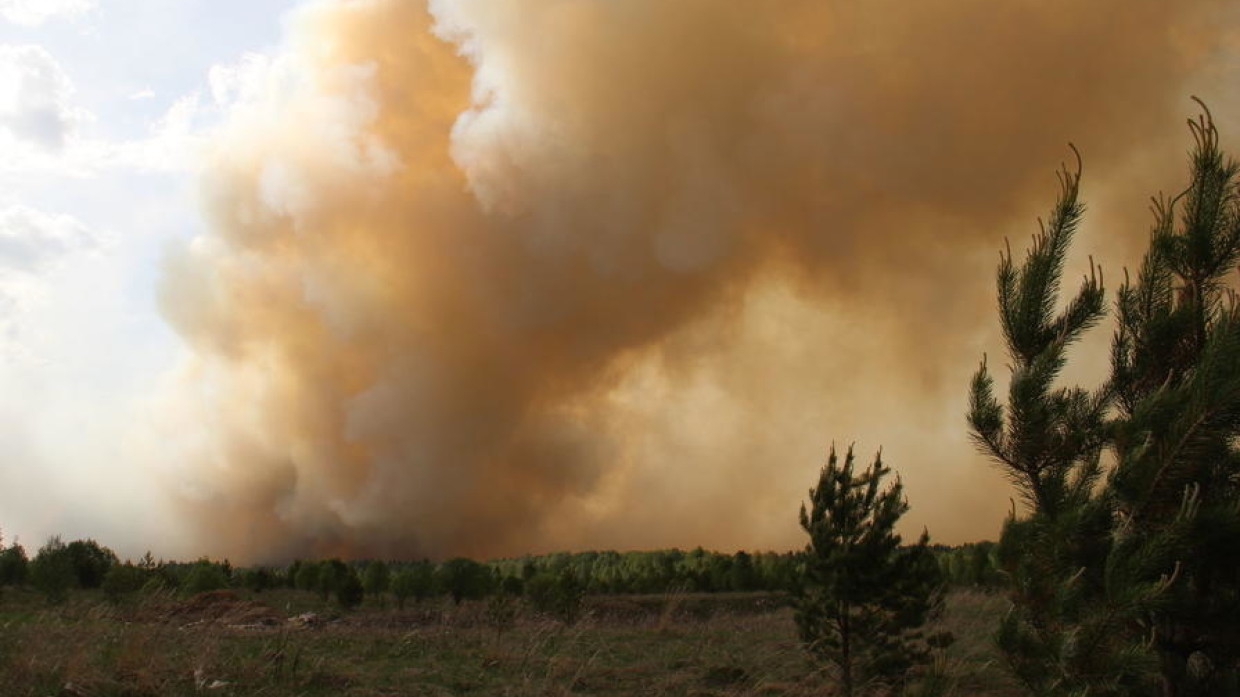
(1176, 378)
(1125, 582)
(864, 598)
(1048, 440)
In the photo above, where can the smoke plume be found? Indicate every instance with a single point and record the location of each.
(486, 277)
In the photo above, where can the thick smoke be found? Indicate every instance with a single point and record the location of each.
(494, 276)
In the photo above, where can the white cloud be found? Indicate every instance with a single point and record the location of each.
(31, 240)
(246, 80)
(32, 13)
(42, 130)
(35, 99)
(33, 244)
(170, 146)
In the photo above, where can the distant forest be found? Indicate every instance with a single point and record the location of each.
(85, 564)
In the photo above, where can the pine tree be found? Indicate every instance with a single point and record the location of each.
(1058, 639)
(1176, 377)
(864, 598)
(1125, 582)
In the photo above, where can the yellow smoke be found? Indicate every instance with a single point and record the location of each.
(494, 276)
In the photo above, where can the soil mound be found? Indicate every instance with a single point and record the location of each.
(222, 607)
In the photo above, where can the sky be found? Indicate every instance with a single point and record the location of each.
(417, 278)
(103, 107)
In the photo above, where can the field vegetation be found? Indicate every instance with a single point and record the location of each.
(289, 642)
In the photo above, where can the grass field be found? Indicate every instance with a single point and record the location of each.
(229, 643)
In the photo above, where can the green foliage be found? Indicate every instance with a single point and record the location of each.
(972, 565)
(403, 584)
(123, 581)
(332, 575)
(91, 562)
(865, 597)
(1049, 438)
(512, 585)
(204, 576)
(558, 595)
(290, 574)
(14, 566)
(464, 579)
(377, 578)
(1128, 585)
(306, 576)
(415, 581)
(257, 579)
(349, 591)
(52, 572)
(331, 578)
(1061, 637)
(59, 567)
(663, 571)
(1176, 379)
(742, 575)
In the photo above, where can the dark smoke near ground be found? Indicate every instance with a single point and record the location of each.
(486, 277)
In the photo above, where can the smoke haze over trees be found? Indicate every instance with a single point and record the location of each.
(485, 278)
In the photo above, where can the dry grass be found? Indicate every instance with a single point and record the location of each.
(229, 645)
(972, 661)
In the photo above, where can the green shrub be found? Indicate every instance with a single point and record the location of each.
(122, 581)
(349, 591)
(14, 566)
(204, 576)
(51, 571)
(377, 579)
(558, 595)
(91, 562)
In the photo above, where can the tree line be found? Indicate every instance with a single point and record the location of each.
(59, 567)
